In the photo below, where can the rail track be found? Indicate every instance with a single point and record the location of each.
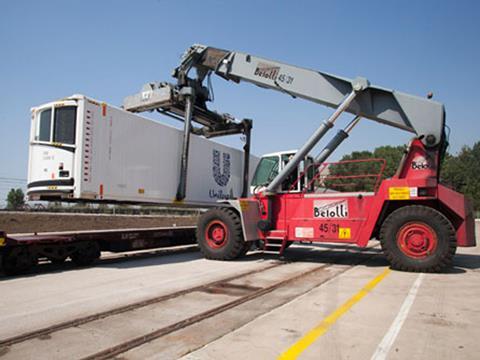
(83, 320)
(233, 291)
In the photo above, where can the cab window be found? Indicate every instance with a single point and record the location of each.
(44, 125)
(266, 171)
(292, 177)
(64, 128)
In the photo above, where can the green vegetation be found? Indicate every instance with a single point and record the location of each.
(460, 172)
(391, 154)
(15, 199)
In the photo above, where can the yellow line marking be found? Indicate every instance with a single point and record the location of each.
(301, 345)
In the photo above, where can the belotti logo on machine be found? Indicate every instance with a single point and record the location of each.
(330, 209)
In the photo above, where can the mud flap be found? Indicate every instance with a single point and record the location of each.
(461, 206)
(249, 214)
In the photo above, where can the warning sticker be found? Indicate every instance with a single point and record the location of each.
(399, 193)
(243, 205)
(304, 232)
(344, 233)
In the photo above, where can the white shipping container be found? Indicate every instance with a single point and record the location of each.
(82, 149)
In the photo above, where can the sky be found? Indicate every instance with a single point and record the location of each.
(109, 49)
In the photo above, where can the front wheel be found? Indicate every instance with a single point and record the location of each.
(418, 238)
(220, 235)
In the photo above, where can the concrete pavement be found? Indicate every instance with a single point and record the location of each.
(441, 324)
(331, 315)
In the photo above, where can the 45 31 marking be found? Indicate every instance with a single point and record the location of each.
(326, 227)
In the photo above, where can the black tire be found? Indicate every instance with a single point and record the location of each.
(86, 254)
(246, 248)
(215, 247)
(18, 260)
(418, 238)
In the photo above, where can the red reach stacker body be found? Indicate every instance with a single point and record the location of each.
(418, 221)
(356, 217)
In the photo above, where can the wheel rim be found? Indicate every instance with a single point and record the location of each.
(216, 234)
(417, 240)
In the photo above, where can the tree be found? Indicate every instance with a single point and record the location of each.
(461, 172)
(15, 199)
(343, 176)
(392, 156)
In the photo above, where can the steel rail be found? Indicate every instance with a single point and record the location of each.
(253, 292)
(143, 339)
(133, 306)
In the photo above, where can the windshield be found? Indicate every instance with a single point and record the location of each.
(266, 171)
(64, 124)
(65, 119)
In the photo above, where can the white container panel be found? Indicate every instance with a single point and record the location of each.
(121, 156)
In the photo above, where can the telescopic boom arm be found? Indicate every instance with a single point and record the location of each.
(424, 117)
(418, 115)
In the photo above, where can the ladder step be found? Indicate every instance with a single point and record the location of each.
(272, 249)
(274, 245)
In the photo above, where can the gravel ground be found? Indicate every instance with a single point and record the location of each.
(16, 222)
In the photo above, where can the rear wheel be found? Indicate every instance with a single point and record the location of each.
(418, 238)
(220, 235)
(86, 254)
(246, 248)
(18, 260)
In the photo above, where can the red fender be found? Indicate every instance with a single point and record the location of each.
(462, 207)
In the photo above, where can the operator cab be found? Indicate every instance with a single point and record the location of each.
(271, 164)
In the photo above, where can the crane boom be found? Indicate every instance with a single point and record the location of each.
(424, 117)
(418, 115)
(418, 221)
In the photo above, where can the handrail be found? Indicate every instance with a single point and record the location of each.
(321, 167)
